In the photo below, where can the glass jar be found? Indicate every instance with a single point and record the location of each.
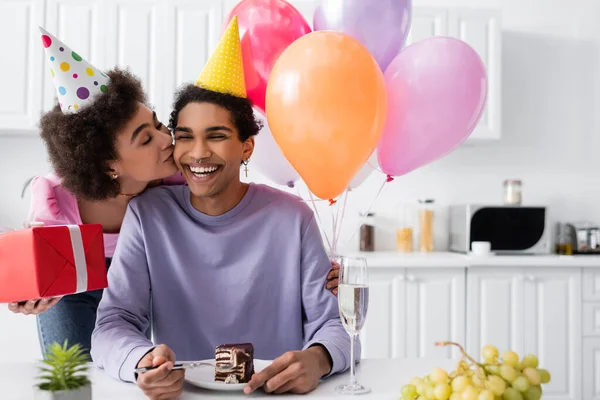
(512, 192)
(404, 229)
(367, 233)
(426, 238)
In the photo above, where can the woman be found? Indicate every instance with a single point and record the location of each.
(105, 148)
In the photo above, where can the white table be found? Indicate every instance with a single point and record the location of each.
(385, 377)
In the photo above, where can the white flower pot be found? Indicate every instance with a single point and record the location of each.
(83, 393)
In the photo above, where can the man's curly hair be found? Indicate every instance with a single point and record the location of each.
(240, 109)
(80, 145)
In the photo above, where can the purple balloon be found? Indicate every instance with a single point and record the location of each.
(380, 25)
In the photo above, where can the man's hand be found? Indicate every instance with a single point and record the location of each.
(332, 278)
(161, 383)
(33, 307)
(295, 372)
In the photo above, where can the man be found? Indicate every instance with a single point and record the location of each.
(226, 262)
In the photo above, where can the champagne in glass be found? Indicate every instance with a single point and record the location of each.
(353, 302)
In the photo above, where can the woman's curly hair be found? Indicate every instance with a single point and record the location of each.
(81, 145)
(239, 108)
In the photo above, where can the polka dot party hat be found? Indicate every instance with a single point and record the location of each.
(76, 80)
(224, 71)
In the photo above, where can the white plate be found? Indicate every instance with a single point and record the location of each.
(204, 376)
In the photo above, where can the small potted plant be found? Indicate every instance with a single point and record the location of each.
(64, 374)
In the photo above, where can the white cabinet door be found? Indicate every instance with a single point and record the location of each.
(591, 369)
(481, 30)
(383, 328)
(435, 311)
(21, 66)
(495, 309)
(553, 327)
(136, 37)
(80, 25)
(427, 22)
(194, 28)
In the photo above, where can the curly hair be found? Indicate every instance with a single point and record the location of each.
(80, 145)
(239, 108)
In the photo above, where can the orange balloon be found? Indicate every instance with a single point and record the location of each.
(326, 106)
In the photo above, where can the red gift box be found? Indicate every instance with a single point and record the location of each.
(51, 261)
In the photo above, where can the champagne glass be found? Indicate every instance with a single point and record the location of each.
(353, 301)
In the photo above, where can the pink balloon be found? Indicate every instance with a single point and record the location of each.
(437, 90)
(267, 28)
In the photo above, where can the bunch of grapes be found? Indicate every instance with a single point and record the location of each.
(508, 378)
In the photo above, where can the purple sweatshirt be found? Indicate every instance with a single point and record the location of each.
(254, 274)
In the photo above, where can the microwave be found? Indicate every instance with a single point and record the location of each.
(511, 229)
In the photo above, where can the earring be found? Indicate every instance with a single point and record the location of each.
(245, 162)
(114, 176)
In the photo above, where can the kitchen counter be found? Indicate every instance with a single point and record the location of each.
(391, 259)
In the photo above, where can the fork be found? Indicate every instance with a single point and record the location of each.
(187, 365)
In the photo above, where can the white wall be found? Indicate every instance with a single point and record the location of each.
(550, 90)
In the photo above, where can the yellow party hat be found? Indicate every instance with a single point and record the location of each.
(224, 71)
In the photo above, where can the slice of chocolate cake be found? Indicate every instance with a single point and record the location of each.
(234, 363)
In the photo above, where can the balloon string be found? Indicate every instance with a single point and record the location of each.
(375, 168)
(388, 178)
(312, 200)
(341, 220)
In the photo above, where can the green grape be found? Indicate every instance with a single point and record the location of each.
(533, 375)
(493, 369)
(430, 393)
(478, 381)
(416, 381)
(530, 360)
(470, 393)
(520, 383)
(485, 395)
(512, 394)
(533, 393)
(442, 391)
(438, 375)
(544, 375)
(407, 397)
(455, 396)
(421, 398)
(508, 372)
(427, 380)
(510, 358)
(409, 391)
(460, 383)
(495, 384)
(462, 367)
(490, 354)
(519, 366)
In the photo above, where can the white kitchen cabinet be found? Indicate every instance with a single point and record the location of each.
(530, 310)
(193, 31)
(410, 309)
(21, 66)
(136, 37)
(591, 369)
(495, 309)
(434, 312)
(82, 26)
(552, 327)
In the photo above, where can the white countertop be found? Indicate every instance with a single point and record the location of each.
(391, 259)
(385, 377)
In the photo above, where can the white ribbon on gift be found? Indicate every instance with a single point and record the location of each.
(79, 257)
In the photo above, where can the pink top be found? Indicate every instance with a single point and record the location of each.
(52, 204)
